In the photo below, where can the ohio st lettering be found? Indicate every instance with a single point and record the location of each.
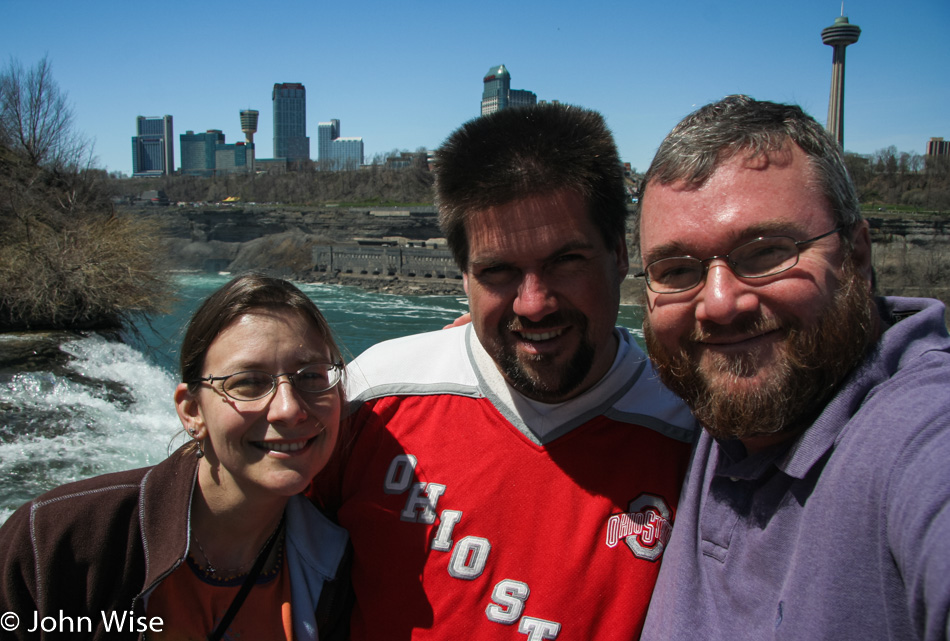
(645, 528)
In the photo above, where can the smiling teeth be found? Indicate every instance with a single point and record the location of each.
(284, 447)
(543, 336)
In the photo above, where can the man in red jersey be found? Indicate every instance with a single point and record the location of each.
(515, 478)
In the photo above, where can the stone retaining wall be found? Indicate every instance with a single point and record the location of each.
(386, 261)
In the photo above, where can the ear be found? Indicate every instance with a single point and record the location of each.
(623, 258)
(861, 252)
(465, 281)
(189, 411)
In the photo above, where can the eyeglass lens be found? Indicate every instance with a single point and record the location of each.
(250, 386)
(761, 257)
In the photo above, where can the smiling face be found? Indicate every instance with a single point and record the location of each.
(273, 446)
(750, 345)
(544, 291)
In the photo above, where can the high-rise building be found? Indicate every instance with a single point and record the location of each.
(207, 154)
(498, 94)
(327, 132)
(335, 152)
(938, 147)
(197, 152)
(153, 146)
(290, 121)
(495, 94)
(839, 35)
(232, 158)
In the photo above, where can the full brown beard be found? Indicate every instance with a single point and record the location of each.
(815, 362)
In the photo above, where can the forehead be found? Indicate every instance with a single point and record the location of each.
(263, 334)
(537, 224)
(745, 197)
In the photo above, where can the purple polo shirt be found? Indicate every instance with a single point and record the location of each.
(843, 533)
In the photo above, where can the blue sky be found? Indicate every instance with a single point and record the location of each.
(404, 74)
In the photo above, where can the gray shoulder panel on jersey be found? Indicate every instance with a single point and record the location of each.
(416, 389)
(418, 365)
(681, 433)
(651, 404)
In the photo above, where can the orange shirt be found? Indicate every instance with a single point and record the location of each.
(191, 603)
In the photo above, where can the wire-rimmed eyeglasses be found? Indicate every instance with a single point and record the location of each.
(765, 256)
(253, 385)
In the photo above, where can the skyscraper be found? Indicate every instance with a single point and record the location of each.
(197, 152)
(207, 154)
(153, 146)
(839, 35)
(290, 121)
(335, 152)
(327, 132)
(498, 93)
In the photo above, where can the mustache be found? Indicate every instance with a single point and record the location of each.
(745, 326)
(555, 319)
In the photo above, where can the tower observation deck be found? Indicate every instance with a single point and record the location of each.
(249, 127)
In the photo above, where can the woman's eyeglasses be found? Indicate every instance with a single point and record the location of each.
(254, 385)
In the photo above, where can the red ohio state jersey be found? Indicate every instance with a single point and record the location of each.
(466, 526)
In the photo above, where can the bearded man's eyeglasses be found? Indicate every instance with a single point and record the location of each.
(254, 385)
(766, 256)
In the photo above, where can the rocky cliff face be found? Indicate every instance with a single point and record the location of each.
(923, 231)
(235, 239)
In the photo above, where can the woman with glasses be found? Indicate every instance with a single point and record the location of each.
(217, 539)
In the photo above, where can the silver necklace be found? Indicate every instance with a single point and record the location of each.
(210, 569)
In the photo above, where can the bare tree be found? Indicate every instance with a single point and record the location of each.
(36, 118)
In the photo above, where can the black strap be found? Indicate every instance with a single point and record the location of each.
(336, 602)
(249, 582)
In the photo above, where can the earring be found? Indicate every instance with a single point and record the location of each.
(199, 452)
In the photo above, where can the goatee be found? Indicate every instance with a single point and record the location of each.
(814, 362)
(538, 376)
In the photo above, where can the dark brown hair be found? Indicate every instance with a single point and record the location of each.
(235, 299)
(520, 152)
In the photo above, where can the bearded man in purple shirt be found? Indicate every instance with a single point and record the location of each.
(817, 505)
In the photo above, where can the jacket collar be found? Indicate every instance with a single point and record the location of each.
(165, 495)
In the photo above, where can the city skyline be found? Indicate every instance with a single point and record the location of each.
(404, 77)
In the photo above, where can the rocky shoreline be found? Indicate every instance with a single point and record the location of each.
(630, 289)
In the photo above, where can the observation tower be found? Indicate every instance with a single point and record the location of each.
(839, 35)
(249, 127)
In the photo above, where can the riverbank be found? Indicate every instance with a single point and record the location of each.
(631, 292)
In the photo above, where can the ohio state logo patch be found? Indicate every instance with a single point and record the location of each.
(645, 527)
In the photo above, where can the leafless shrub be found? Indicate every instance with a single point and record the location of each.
(67, 261)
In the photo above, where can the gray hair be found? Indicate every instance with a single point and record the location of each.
(720, 131)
